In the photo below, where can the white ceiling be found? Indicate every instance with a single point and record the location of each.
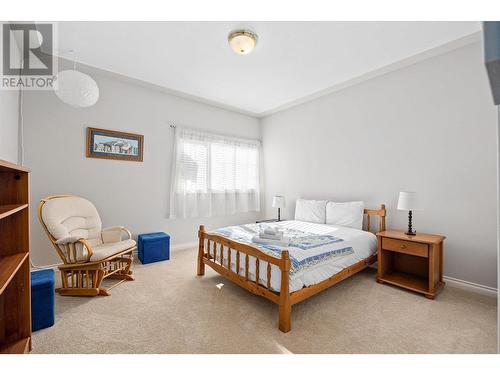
(292, 60)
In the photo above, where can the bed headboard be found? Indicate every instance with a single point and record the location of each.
(381, 213)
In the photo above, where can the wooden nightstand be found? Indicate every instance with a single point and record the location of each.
(411, 262)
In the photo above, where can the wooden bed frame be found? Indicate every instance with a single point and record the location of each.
(284, 299)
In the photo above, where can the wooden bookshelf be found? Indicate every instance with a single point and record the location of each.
(9, 209)
(17, 347)
(15, 286)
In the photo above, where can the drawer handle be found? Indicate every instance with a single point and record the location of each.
(403, 246)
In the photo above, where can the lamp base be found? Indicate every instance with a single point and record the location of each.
(410, 231)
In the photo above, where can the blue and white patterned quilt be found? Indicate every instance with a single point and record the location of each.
(305, 249)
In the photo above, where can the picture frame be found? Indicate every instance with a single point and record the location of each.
(114, 144)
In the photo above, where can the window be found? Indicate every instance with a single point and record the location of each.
(213, 175)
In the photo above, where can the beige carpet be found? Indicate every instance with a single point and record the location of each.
(168, 309)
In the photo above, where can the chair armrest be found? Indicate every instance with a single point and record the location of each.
(69, 239)
(66, 242)
(114, 234)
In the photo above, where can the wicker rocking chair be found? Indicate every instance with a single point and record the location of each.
(89, 253)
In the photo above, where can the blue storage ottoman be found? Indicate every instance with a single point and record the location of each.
(153, 247)
(42, 299)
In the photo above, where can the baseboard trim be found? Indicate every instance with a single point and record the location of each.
(185, 246)
(178, 247)
(473, 287)
(466, 285)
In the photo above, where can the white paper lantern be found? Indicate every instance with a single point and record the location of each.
(77, 89)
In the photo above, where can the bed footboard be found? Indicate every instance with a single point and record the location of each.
(220, 253)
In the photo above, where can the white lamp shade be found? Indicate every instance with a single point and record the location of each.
(76, 89)
(408, 201)
(278, 201)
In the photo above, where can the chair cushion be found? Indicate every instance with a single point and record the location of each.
(112, 234)
(106, 250)
(72, 217)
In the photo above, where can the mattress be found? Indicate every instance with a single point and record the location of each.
(355, 246)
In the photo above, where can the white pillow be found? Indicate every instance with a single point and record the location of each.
(346, 214)
(310, 210)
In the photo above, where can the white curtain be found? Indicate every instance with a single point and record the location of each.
(213, 175)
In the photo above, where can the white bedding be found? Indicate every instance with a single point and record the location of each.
(363, 244)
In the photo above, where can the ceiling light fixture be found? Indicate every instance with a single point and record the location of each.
(242, 42)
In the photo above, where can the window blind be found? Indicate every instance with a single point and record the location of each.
(213, 175)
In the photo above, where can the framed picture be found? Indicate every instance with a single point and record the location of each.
(111, 144)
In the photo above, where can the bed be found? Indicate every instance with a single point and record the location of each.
(317, 257)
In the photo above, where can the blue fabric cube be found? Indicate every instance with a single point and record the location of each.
(42, 299)
(153, 247)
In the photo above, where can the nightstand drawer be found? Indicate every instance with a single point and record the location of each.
(407, 247)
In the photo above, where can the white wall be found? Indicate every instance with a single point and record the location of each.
(429, 127)
(9, 121)
(9, 125)
(135, 195)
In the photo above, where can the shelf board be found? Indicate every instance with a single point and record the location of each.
(6, 166)
(406, 280)
(8, 268)
(10, 209)
(17, 347)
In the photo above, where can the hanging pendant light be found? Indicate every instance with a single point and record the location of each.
(77, 89)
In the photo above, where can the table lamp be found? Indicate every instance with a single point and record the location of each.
(408, 202)
(279, 203)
